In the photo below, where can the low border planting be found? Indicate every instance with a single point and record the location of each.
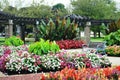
(70, 44)
(84, 74)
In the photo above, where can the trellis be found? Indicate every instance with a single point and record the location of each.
(11, 20)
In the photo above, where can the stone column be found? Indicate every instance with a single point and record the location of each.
(36, 31)
(87, 32)
(9, 29)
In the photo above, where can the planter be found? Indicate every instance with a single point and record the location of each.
(34, 76)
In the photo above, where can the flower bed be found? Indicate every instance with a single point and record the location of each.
(84, 74)
(112, 73)
(113, 50)
(17, 60)
(69, 44)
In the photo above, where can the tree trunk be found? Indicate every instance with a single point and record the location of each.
(99, 34)
(95, 34)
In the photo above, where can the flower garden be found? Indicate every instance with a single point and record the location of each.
(52, 61)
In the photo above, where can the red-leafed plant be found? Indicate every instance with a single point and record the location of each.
(70, 44)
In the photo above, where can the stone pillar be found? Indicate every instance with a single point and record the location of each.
(36, 31)
(9, 29)
(87, 32)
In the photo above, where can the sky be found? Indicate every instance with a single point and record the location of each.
(51, 2)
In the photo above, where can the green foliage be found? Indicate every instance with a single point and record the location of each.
(59, 10)
(43, 47)
(13, 41)
(114, 26)
(98, 9)
(30, 35)
(113, 38)
(58, 30)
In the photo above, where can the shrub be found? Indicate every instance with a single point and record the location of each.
(61, 29)
(113, 50)
(43, 47)
(13, 41)
(113, 38)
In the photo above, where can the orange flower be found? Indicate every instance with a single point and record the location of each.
(107, 71)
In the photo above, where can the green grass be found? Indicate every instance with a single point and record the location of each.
(2, 41)
(92, 39)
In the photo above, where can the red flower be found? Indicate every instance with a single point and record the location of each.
(118, 68)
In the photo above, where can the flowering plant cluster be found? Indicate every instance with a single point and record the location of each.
(76, 59)
(6, 51)
(22, 60)
(12, 49)
(69, 44)
(84, 74)
(113, 50)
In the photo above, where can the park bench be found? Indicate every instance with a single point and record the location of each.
(95, 47)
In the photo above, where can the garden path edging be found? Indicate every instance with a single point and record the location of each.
(33, 76)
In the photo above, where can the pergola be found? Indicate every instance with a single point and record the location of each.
(87, 22)
(11, 20)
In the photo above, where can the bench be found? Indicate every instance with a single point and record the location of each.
(98, 47)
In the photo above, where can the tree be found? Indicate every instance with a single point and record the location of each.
(37, 11)
(97, 9)
(59, 10)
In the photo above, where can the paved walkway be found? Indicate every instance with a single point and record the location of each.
(114, 60)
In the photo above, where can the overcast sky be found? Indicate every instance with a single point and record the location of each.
(51, 2)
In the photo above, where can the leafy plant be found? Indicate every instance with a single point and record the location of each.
(13, 41)
(58, 30)
(43, 47)
(113, 38)
(69, 44)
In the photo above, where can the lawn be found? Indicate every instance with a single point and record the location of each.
(92, 39)
(2, 40)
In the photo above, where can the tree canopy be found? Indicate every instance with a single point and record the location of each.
(97, 9)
